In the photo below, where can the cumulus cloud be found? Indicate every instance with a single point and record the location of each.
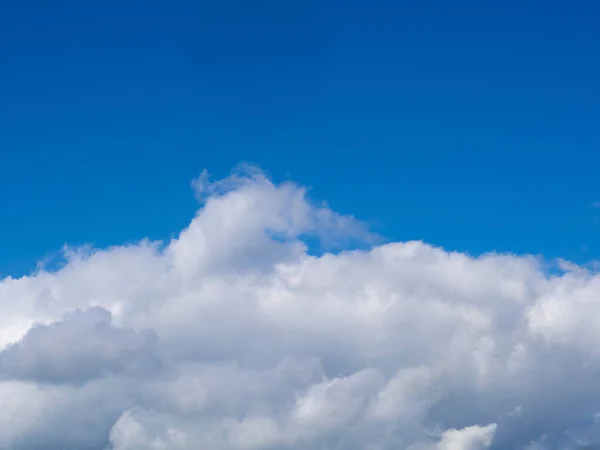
(81, 346)
(235, 336)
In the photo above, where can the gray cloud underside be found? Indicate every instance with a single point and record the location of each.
(232, 336)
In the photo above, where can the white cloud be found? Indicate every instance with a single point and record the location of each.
(469, 438)
(82, 346)
(232, 336)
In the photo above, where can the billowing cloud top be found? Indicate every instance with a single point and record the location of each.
(232, 336)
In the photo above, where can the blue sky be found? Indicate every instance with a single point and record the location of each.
(472, 125)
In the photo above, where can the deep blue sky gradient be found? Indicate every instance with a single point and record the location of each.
(473, 125)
